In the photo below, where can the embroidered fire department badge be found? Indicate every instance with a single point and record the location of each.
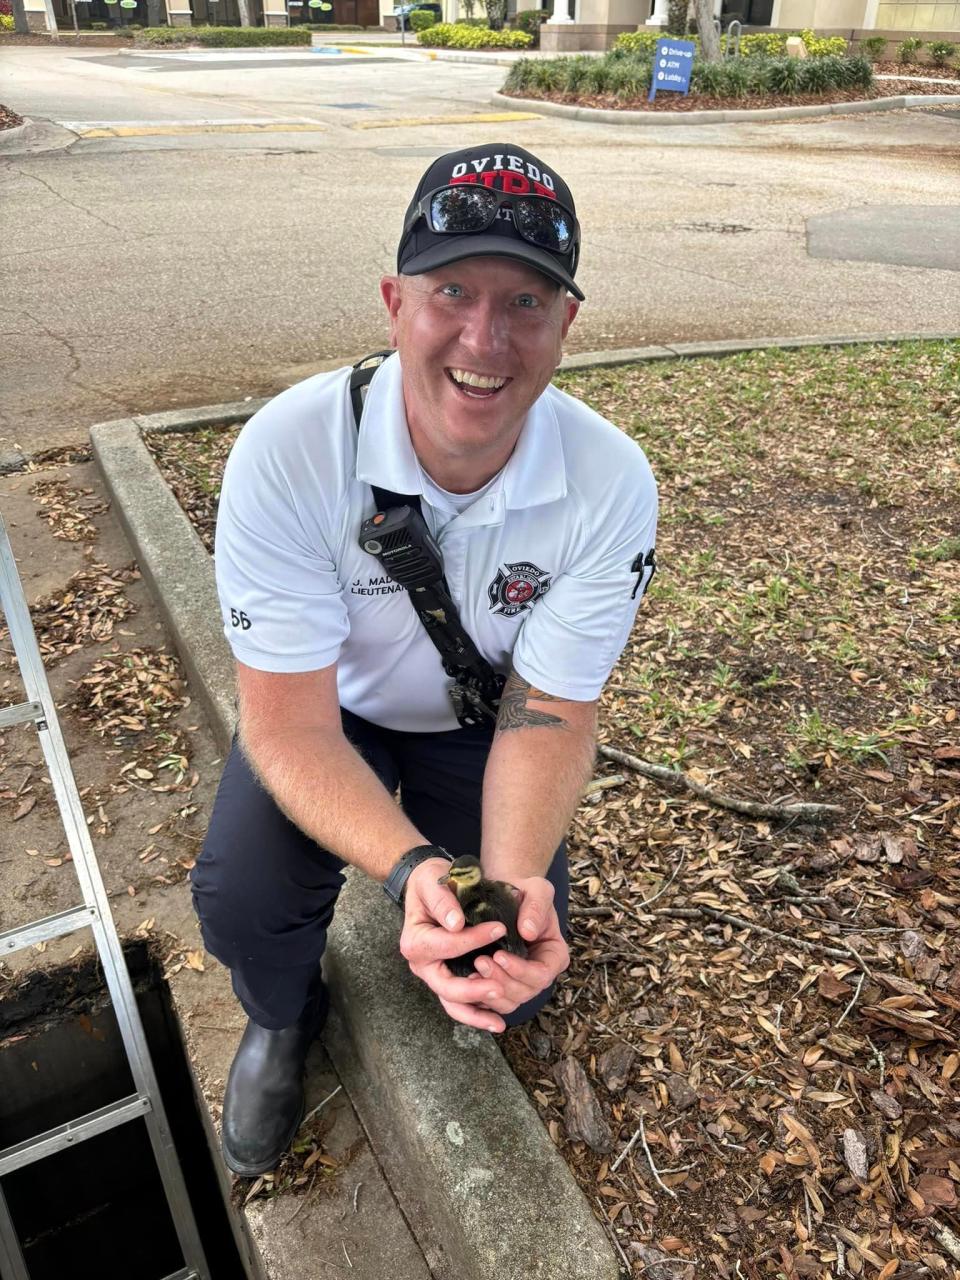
(516, 588)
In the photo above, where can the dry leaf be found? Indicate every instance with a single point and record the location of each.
(26, 804)
(831, 987)
(936, 1190)
(194, 960)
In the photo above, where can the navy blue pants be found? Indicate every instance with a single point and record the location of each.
(265, 892)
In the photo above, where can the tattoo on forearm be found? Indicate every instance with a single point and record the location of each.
(514, 712)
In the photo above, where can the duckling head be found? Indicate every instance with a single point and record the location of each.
(465, 873)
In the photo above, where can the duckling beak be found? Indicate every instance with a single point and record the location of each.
(445, 879)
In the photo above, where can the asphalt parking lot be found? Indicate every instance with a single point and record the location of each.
(186, 229)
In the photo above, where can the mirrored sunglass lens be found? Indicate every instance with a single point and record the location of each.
(461, 209)
(545, 223)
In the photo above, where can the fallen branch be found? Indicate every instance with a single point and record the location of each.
(311, 1114)
(666, 885)
(856, 997)
(604, 784)
(752, 808)
(946, 1239)
(624, 1153)
(653, 1168)
(839, 953)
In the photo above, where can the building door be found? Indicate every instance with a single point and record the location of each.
(752, 13)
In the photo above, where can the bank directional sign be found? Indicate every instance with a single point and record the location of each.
(672, 63)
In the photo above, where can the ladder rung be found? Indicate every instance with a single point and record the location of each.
(49, 927)
(67, 1135)
(186, 1273)
(19, 713)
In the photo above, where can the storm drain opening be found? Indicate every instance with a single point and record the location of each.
(99, 1208)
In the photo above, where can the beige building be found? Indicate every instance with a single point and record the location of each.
(576, 24)
(594, 24)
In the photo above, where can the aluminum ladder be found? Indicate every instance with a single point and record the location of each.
(94, 913)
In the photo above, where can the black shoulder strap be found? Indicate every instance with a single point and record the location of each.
(360, 380)
(476, 690)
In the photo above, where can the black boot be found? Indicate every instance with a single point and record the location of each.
(263, 1104)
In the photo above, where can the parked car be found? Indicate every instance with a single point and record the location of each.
(402, 11)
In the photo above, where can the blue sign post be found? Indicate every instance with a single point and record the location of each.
(672, 64)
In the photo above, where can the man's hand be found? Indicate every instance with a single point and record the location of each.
(547, 952)
(434, 932)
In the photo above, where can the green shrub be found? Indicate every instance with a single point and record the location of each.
(782, 75)
(637, 42)
(815, 75)
(874, 47)
(448, 35)
(769, 44)
(225, 37)
(823, 46)
(854, 73)
(627, 76)
(6, 22)
(907, 49)
(677, 18)
(530, 21)
(420, 19)
(941, 51)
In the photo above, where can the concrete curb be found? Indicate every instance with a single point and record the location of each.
(490, 1195)
(35, 135)
(173, 561)
(598, 115)
(735, 346)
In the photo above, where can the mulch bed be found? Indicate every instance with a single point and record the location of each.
(755, 102)
(88, 39)
(751, 1066)
(9, 119)
(916, 69)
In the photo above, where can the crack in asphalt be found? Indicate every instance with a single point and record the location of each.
(72, 374)
(66, 200)
(56, 337)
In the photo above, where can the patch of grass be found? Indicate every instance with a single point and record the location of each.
(812, 732)
(948, 549)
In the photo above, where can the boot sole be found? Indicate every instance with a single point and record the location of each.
(263, 1166)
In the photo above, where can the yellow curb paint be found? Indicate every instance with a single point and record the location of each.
(350, 48)
(490, 118)
(179, 130)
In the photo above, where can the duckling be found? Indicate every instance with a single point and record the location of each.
(480, 901)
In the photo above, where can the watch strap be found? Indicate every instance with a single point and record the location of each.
(396, 881)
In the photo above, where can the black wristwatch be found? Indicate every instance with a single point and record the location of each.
(396, 881)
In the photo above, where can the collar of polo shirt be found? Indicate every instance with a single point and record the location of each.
(534, 475)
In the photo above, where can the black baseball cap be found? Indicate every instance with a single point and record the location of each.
(505, 169)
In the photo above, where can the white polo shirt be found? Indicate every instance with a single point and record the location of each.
(546, 567)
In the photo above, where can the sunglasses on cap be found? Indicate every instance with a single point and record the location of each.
(462, 208)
